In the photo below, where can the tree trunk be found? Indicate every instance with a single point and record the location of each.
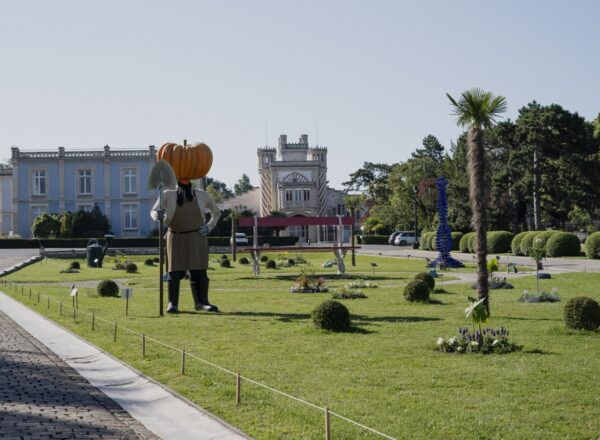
(478, 199)
(537, 220)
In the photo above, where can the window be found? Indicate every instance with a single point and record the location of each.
(306, 194)
(297, 195)
(288, 195)
(85, 181)
(130, 181)
(86, 207)
(37, 211)
(130, 217)
(39, 183)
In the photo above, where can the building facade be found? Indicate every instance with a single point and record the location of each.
(61, 181)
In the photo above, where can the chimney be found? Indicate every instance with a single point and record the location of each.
(304, 139)
(282, 140)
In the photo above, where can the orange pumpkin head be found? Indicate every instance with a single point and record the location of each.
(188, 161)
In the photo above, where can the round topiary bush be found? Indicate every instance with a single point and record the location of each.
(498, 242)
(75, 265)
(429, 280)
(426, 241)
(433, 241)
(527, 242)
(472, 243)
(331, 315)
(515, 244)
(456, 238)
(463, 244)
(264, 258)
(108, 288)
(225, 263)
(592, 245)
(271, 264)
(156, 260)
(130, 267)
(291, 262)
(543, 237)
(417, 291)
(582, 312)
(563, 244)
(224, 257)
(149, 262)
(244, 260)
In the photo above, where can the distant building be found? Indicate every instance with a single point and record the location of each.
(60, 181)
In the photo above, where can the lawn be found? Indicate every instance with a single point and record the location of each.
(386, 374)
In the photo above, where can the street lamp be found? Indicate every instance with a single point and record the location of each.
(415, 243)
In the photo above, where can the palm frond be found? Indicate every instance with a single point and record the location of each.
(477, 108)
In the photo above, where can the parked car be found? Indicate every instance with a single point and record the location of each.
(240, 239)
(404, 239)
(393, 236)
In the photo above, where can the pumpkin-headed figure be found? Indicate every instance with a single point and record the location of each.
(184, 214)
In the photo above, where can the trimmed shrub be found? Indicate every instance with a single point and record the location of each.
(463, 244)
(472, 242)
(156, 259)
(224, 263)
(417, 291)
(515, 244)
(108, 288)
(498, 242)
(130, 267)
(271, 264)
(244, 260)
(149, 262)
(426, 241)
(432, 241)
(592, 245)
(429, 280)
(563, 244)
(264, 259)
(527, 242)
(456, 238)
(291, 262)
(582, 312)
(331, 315)
(224, 257)
(544, 236)
(75, 265)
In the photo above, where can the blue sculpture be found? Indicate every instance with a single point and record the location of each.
(443, 239)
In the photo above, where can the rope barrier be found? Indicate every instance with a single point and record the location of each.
(186, 354)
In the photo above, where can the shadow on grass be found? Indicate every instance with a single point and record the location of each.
(440, 291)
(327, 277)
(515, 318)
(538, 351)
(370, 319)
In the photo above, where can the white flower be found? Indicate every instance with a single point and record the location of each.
(452, 340)
(440, 341)
(496, 341)
(459, 348)
(474, 344)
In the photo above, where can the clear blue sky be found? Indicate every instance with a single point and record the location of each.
(371, 74)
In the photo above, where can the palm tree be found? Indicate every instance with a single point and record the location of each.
(478, 110)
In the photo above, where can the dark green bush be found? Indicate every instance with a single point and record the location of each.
(417, 291)
(271, 264)
(582, 312)
(456, 237)
(463, 244)
(108, 288)
(75, 265)
(563, 244)
(130, 267)
(592, 245)
(264, 259)
(331, 315)
(291, 261)
(149, 262)
(224, 257)
(156, 260)
(244, 260)
(498, 242)
(472, 243)
(515, 244)
(527, 242)
(224, 263)
(429, 280)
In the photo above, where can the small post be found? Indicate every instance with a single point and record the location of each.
(29, 293)
(74, 314)
(127, 306)
(93, 321)
(38, 297)
(115, 335)
(143, 345)
(60, 308)
(183, 361)
(48, 303)
(327, 424)
(238, 389)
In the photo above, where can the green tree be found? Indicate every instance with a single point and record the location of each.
(243, 185)
(46, 226)
(90, 224)
(66, 225)
(372, 180)
(478, 110)
(218, 190)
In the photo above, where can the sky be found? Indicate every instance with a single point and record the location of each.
(366, 79)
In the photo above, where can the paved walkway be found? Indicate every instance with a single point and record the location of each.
(54, 385)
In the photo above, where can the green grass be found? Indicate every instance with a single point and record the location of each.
(385, 375)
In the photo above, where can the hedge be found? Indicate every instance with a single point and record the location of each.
(456, 237)
(563, 244)
(472, 242)
(592, 246)
(433, 241)
(515, 244)
(426, 241)
(498, 242)
(134, 242)
(527, 242)
(373, 239)
(463, 245)
(544, 236)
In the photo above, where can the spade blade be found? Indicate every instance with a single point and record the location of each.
(162, 174)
